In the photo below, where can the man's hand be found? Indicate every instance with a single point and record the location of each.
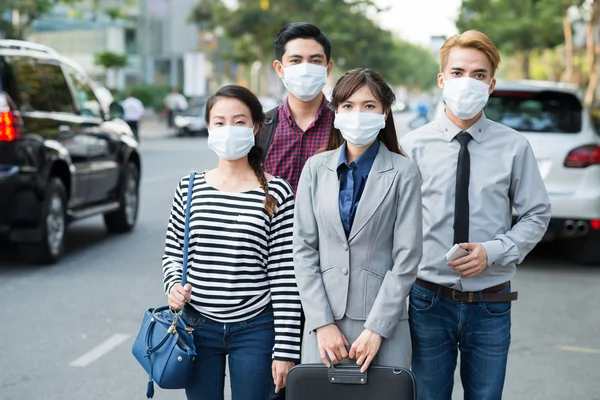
(280, 370)
(471, 264)
(333, 342)
(365, 348)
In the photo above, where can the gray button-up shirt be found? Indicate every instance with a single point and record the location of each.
(504, 175)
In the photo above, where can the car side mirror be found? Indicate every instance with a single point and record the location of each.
(116, 110)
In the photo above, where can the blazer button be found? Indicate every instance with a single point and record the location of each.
(344, 271)
(345, 247)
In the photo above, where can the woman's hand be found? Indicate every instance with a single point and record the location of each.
(179, 295)
(280, 370)
(333, 342)
(365, 348)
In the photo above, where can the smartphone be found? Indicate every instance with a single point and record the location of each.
(456, 252)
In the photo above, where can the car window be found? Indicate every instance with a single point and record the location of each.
(30, 93)
(527, 111)
(61, 99)
(84, 94)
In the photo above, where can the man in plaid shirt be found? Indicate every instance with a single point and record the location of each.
(303, 63)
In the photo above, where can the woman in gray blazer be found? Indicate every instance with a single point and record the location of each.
(358, 232)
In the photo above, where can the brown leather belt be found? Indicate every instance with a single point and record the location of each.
(489, 295)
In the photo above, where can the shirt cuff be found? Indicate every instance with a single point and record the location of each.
(494, 250)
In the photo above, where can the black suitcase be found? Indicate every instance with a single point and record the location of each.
(346, 382)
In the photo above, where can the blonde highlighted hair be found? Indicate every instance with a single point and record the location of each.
(471, 40)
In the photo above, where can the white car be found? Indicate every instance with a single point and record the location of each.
(566, 143)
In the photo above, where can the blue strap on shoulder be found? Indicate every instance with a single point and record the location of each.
(186, 232)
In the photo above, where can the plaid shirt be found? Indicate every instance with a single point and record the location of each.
(292, 147)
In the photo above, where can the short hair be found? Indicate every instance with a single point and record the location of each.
(300, 30)
(471, 40)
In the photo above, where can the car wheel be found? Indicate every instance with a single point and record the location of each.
(54, 224)
(586, 250)
(124, 219)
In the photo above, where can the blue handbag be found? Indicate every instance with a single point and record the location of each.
(165, 344)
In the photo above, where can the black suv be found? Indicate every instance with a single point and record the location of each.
(63, 154)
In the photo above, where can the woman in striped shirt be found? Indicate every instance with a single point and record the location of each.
(241, 297)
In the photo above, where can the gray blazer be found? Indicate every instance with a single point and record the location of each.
(369, 275)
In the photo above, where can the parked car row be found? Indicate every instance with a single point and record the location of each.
(65, 154)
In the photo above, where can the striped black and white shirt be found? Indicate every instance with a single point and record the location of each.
(240, 258)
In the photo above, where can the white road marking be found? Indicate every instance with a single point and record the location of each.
(100, 350)
(579, 349)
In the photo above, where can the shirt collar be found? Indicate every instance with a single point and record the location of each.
(450, 130)
(323, 109)
(364, 162)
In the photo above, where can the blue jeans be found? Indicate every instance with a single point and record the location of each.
(248, 344)
(440, 326)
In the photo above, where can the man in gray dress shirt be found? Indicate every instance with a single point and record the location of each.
(474, 172)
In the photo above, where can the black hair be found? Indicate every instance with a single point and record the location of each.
(258, 118)
(300, 30)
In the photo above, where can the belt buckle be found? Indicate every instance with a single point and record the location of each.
(469, 298)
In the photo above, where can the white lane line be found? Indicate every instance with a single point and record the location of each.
(579, 349)
(100, 350)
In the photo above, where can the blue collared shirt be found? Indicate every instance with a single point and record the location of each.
(353, 178)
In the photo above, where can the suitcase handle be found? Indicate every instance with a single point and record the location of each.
(347, 375)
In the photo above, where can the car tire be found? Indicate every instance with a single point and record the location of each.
(124, 219)
(586, 251)
(53, 226)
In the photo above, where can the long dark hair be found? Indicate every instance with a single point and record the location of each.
(346, 86)
(258, 117)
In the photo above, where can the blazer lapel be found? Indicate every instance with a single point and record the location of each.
(378, 185)
(331, 203)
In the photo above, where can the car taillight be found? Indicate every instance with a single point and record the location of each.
(8, 131)
(583, 156)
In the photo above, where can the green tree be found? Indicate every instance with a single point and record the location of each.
(357, 40)
(110, 62)
(516, 26)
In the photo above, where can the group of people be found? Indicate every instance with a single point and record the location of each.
(320, 238)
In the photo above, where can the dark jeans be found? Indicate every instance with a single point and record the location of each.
(134, 125)
(440, 326)
(248, 344)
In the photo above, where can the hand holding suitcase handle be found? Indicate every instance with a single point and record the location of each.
(365, 348)
(332, 344)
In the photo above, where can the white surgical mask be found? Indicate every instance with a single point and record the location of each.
(465, 96)
(231, 142)
(305, 81)
(359, 128)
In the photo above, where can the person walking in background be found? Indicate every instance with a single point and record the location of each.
(174, 102)
(133, 113)
(474, 172)
(357, 233)
(241, 299)
(301, 125)
(422, 114)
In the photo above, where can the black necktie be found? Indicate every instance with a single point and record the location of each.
(461, 201)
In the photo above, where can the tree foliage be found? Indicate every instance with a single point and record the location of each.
(516, 26)
(110, 60)
(357, 41)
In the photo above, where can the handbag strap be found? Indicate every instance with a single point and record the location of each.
(186, 231)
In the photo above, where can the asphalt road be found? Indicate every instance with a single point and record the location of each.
(66, 330)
